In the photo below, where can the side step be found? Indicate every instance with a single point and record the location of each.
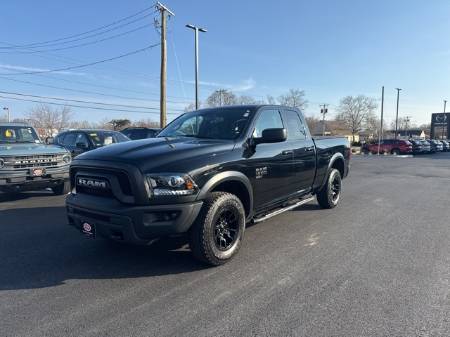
(284, 209)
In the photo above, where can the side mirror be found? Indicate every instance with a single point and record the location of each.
(81, 146)
(276, 135)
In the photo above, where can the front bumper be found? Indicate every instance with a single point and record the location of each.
(21, 180)
(131, 224)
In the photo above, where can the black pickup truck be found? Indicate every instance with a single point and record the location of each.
(207, 174)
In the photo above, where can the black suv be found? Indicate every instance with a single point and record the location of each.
(79, 141)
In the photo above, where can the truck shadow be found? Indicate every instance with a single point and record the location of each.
(8, 196)
(38, 249)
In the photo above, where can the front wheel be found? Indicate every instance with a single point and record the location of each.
(329, 195)
(217, 233)
(62, 189)
(395, 152)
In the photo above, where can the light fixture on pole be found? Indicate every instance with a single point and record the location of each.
(7, 113)
(196, 30)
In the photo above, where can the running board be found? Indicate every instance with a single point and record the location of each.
(282, 210)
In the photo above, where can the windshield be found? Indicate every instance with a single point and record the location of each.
(18, 134)
(211, 124)
(103, 138)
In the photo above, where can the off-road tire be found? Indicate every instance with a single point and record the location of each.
(203, 233)
(327, 197)
(62, 189)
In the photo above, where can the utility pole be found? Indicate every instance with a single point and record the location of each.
(396, 116)
(203, 30)
(7, 114)
(323, 111)
(380, 136)
(445, 106)
(163, 112)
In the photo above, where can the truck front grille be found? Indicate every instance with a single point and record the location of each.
(45, 160)
(103, 174)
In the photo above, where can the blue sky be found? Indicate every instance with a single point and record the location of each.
(257, 48)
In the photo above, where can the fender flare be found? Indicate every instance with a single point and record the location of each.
(336, 156)
(227, 176)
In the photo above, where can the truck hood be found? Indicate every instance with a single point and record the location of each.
(160, 153)
(29, 149)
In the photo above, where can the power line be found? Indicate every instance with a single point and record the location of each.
(81, 106)
(86, 64)
(80, 101)
(78, 45)
(83, 33)
(86, 91)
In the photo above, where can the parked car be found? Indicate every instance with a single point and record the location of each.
(392, 146)
(436, 146)
(79, 141)
(28, 164)
(365, 148)
(446, 145)
(135, 133)
(417, 146)
(207, 174)
(426, 146)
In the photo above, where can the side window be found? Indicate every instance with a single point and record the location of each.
(268, 119)
(69, 139)
(191, 126)
(59, 139)
(295, 127)
(81, 138)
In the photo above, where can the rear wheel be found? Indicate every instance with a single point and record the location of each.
(329, 195)
(61, 189)
(217, 233)
(395, 152)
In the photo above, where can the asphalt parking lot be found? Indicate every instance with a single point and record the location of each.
(378, 265)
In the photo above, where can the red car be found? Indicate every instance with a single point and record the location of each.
(392, 146)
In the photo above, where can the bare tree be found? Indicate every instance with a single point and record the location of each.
(119, 124)
(191, 107)
(148, 123)
(294, 98)
(244, 99)
(271, 100)
(404, 123)
(355, 112)
(80, 125)
(313, 123)
(221, 97)
(48, 119)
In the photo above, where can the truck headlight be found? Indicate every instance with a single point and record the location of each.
(2, 163)
(166, 184)
(67, 158)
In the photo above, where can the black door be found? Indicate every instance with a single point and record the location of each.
(270, 165)
(69, 142)
(304, 151)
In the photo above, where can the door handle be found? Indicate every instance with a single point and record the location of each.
(286, 152)
(309, 149)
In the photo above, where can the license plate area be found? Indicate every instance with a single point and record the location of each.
(37, 172)
(88, 229)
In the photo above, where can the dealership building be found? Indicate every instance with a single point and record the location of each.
(440, 126)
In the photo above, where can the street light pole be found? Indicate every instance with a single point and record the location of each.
(445, 106)
(196, 30)
(380, 135)
(396, 116)
(7, 114)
